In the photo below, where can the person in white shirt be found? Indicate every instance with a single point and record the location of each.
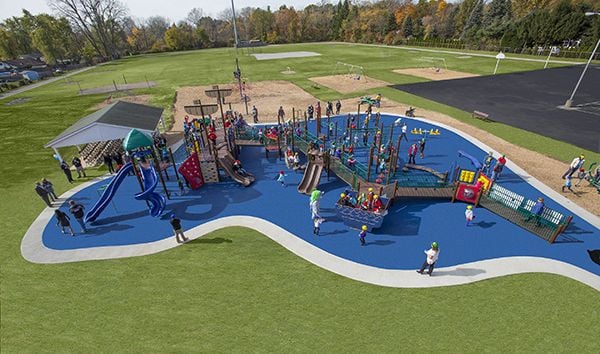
(432, 257)
(469, 214)
(404, 128)
(576, 164)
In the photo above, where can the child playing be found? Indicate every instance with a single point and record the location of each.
(581, 175)
(281, 178)
(317, 222)
(469, 214)
(567, 184)
(362, 235)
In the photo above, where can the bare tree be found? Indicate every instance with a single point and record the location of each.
(100, 21)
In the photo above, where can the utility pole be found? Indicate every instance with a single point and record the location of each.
(234, 29)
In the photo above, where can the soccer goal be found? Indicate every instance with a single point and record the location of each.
(355, 72)
(432, 62)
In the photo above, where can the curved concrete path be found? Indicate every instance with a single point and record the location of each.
(33, 249)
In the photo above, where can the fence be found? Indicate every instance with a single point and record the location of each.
(517, 209)
(541, 51)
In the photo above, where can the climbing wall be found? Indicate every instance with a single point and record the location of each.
(209, 171)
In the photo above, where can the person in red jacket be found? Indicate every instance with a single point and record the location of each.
(412, 152)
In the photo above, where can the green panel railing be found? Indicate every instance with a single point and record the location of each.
(517, 209)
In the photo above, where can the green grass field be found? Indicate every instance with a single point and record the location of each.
(237, 290)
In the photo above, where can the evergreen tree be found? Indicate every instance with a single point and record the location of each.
(407, 27)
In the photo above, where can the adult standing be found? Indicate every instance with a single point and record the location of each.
(318, 109)
(78, 166)
(281, 113)
(498, 167)
(310, 110)
(576, 164)
(176, 224)
(338, 107)
(43, 193)
(432, 256)
(255, 114)
(403, 134)
(49, 187)
(78, 212)
(108, 162)
(63, 221)
(64, 166)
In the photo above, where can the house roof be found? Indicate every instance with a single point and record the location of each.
(109, 123)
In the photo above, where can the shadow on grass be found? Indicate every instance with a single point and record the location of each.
(216, 240)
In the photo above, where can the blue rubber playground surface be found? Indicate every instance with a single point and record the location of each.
(408, 229)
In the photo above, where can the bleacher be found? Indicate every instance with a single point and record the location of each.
(92, 154)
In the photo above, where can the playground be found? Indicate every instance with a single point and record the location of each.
(409, 225)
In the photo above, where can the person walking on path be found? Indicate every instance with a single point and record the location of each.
(108, 162)
(78, 166)
(67, 171)
(362, 235)
(412, 152)
(255, 114)
(536, 212)
(176, 224)
(432, 256)
(576, 164)
(78, 212)
(49, 187)
(63, 221)
(338, 107)
(469, 215)
(43, 193)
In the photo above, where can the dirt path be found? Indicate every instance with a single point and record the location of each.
(435, 75)
(348, 83)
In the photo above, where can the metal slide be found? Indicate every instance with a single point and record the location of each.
(311, 178)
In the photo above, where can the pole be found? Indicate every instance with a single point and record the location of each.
(570, 100)
(370, 163)
(293, 127)
(496, 68)
(222, 114)
(147, 83)
(234, 28)
(174, 166)
(124, 79)
(548, 58)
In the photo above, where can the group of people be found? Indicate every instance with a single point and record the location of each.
(495, 171)
(368, 202)
(76, 161)
(63, 220)
(117, 158)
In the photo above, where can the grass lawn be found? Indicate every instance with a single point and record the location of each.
(250, 294)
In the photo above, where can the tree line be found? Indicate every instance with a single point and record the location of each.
(87, 29)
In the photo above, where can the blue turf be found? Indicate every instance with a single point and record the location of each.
(407, 230)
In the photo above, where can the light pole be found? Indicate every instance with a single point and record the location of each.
(569, 102)
(234, 27)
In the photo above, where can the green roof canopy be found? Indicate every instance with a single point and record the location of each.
(136, 139)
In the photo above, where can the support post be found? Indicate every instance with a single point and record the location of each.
(174, 165)
(369, 164)
(162, 180)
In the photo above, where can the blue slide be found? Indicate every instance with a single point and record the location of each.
(473, 160)
(108, 193)
(157, 201)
